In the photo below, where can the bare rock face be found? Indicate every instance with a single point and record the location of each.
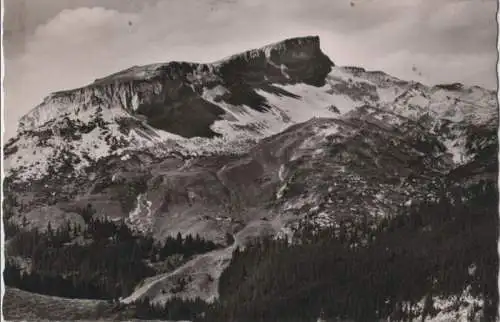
(297, 60)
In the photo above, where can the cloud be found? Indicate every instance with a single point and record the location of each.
(447, 40)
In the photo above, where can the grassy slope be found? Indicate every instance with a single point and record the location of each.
(26, 306)
(22, 305)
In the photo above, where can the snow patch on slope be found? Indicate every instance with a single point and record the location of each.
(312, 102)
(140, 218)
(461, 308)
(456, 147)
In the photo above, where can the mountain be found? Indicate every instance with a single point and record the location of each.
(250, 95)
(262, 143)
(168, 103)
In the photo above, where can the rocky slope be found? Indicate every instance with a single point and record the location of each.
(251, 145)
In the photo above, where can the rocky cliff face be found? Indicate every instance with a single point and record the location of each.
(155, 90)
(252, 144)
(171, 102)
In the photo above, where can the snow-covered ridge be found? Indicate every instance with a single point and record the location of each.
(124, 96)
(138, 85)
(300, 47)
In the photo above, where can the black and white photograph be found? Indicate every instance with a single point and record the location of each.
(250, 160)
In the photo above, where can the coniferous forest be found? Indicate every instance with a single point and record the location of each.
(350, 272)
(104, 260)
(423, 253)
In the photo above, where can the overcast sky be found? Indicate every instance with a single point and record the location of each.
(51, 45)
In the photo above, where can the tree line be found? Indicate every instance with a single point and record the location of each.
(362, 273)
(101, 260)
